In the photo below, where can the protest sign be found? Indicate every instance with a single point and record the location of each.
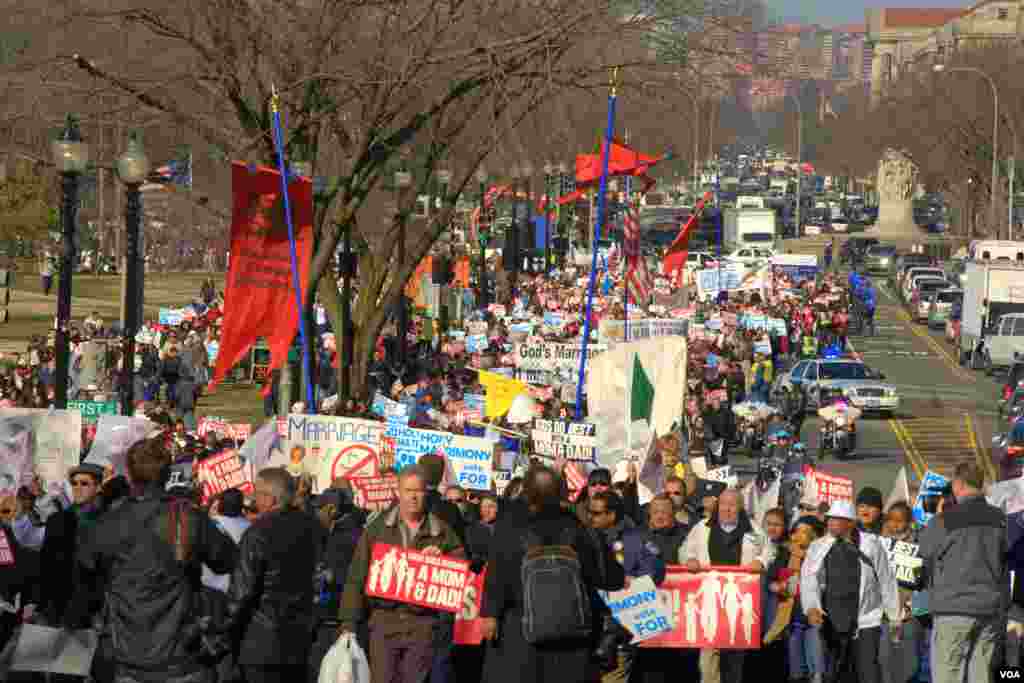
(91, 410)
(475, 406)
(330, 447)
(409, 576)
(221, 472)
(477, 328)
(565, 439)
(830, 487)
(723, 474)
(54, 650)
(171, 316)
(932, 484)
(115, 434)
(6, 555)
(385, 407)
(542, 355)
(239, 431)
(48, 442)
(905, 560)
(639, 610)
(375, 493)
(470, 457)
(477, 343)
(468, 628)
(711, 281)
(612, 331)
(181, 476)
(718, 608)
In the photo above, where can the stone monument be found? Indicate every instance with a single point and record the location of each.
(897, 178)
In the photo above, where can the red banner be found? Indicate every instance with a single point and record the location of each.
(259, 294)
(221, 472)
(239, 431)
(831, 487)
(408, 576)
(719, 608)
(375, 493)
(468, 629)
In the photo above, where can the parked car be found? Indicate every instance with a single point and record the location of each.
(912, 274)
(750, 255)
(879, 258)
(940, 305)
(902, 264)
(920, 294)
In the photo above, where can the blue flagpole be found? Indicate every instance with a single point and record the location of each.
(279, 145)
(603, 188)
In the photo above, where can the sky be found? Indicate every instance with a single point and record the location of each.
(833, 12)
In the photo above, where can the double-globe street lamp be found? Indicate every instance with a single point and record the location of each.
(71, 157)
(403, 181)
(132, 168)
(482, 237)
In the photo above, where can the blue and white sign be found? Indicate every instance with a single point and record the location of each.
(476, 343)
(638, 609)
(170, 316)
(931, 485)
(470, 458)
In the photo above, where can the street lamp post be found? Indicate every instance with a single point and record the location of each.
(132, 168)
(444, 179)
(549, 192)
(939, 68)
(403, 181)
(799, 159)
(70, 156)
(482, 237)
(570, 211)
(527, 232)
(510, 254)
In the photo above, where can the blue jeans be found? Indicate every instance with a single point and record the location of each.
(806, 651)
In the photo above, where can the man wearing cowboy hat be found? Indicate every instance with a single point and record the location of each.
(846, 584)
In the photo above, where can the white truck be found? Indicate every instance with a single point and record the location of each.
(749, 228)
(749, 202)
(992, 319)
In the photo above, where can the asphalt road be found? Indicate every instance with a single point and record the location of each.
(947, 413)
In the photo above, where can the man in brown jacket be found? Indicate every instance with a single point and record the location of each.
(402, 637)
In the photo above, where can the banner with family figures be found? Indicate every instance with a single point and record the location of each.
(46, 443)
(412, 577)
(718, 608)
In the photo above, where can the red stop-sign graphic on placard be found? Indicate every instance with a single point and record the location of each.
(355, 461)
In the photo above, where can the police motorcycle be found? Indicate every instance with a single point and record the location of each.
(838, 431)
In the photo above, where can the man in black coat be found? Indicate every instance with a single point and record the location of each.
(270, 599)
(448, 512)
(63, 532)
(510, 658)
(149, 554)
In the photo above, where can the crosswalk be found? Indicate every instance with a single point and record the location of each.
(939, 444)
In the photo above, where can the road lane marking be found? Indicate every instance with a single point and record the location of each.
(907, 449)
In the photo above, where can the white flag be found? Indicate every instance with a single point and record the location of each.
(900, 489)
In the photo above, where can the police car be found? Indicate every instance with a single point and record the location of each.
(862, 386)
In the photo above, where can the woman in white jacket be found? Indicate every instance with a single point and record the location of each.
(853, 629)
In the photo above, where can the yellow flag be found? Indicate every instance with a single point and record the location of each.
(499, 392)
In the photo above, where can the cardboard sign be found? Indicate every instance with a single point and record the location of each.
(91, 410)
(432, 581)
(723, 474)
(612, 331)
(719, 608)
(565, 438)
(470, 457)
(639, 610)
(831, 487)
(333, 447)
(375, 493)
(221, 472)
(904, 557)
(468, 629)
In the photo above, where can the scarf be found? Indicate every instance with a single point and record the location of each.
(726, 547)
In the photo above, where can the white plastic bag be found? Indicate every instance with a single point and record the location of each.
(345, 662)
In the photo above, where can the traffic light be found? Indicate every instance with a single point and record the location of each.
(6, 282)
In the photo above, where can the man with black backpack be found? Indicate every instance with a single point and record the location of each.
(149, 553)
(540, 597)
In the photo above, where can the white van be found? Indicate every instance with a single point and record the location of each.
(995, 250)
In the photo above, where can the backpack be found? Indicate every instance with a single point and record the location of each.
(556, 604)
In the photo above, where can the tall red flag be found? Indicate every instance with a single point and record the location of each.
(675, 255)
(259, 299)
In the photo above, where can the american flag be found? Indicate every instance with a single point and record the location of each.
(638, 280)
